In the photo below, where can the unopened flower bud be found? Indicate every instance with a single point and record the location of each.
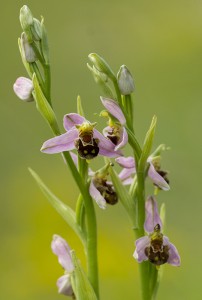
(28, 50)
(36, 30)
(125, 81)
(26, 20)
(23, 88)
(101, 65)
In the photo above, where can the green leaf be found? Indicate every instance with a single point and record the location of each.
(44, 107)
(148, 142)
(65, 211)
(81, 285)
(124, 196)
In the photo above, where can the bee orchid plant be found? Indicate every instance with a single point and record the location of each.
(80, 144)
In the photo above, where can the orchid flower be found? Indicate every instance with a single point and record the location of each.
(155, 247)
(62, 250)
(100, 189)
(157, 176)
(82, 136)
(115, 132)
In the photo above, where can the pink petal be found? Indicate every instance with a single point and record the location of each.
(106, 147)
(123, 139)
(157, 179)
(126, 173)
(64, 285)
(126, 162)
(63, 142)
(141, 244)
(60, 248)
(95, 194)
(106, 131)
(70, 120)
(23, 88)
(114, 109)
(174, 257)
(152, 215)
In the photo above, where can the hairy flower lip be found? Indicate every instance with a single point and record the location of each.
(66, 141)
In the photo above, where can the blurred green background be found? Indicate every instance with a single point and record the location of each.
(161, 43)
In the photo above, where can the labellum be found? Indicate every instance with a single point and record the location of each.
(86, 145)
(157, 253)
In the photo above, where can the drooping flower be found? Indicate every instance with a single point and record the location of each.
(157, 176)
(82, 136)
(62, 250)
(101, 190)
(23, 88)
(115, 131)
(155, 247)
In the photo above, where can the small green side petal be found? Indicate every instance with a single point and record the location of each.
(80, 110)
(65, 211)
(80, 283)
(163, 215)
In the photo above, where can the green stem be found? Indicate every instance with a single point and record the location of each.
(153, 275)
(47, 76)
(92, 262)
(119, 99)
(91, 224)
(128, 107)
